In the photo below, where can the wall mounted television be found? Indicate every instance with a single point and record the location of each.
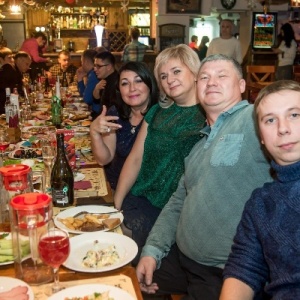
(264, 30)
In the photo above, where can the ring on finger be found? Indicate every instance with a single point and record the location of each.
(108, 129)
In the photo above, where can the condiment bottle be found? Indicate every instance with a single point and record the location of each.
(62, 178)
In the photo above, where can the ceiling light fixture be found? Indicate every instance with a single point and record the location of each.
(15, 9)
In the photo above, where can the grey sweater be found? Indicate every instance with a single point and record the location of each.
(221, 171)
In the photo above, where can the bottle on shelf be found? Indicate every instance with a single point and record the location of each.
(62, 178)
(56, 106)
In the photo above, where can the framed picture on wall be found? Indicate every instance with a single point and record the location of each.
(184, 6)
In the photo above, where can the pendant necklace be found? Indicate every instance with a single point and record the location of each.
(132, 130)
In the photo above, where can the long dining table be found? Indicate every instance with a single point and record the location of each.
(98, 193)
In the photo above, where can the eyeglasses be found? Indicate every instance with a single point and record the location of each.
(99, 66)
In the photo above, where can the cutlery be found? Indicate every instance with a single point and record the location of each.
(91, 213)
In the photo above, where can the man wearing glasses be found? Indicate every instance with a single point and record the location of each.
(105, 90)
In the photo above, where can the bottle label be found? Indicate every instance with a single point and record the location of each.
(60, 196)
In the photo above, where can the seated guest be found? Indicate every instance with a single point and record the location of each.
(34, 46)
(135, 50)
(87, 80)
(190, 242)
(11, 75)
(64, 65)
(113, 133)
(169, 131)
(6, 56)
(265, 253)
(105, 90)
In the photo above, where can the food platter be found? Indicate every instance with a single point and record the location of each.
(126, 248)
(71, 212)
(25, 153)
(88, 289)
(7, 283)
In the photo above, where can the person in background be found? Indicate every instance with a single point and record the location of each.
(270, 218)
(286, 52)
(64, 65)
(34, 46)
(6, 56)
(168, 133)
(11, 76)
(194, 43)
(105, 90)
(202, 50)
(191, 239)
(226, 44)
(114, 131)
(135, 50)
(87, 80)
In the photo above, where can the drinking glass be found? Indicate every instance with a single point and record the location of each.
(48, 153)
(4, 143)
(54, 249)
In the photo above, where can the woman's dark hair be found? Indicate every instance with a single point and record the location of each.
(288, 34)
(142, 70)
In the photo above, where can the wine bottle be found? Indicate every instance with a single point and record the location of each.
(56, 108)
(62, 179)
(8, 108)
(64, 82)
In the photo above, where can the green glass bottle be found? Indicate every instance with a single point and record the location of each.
(62, 178)
(56, 107)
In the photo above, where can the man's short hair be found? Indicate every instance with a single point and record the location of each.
(40, 34)
(89, 54)
(22, 54)
(64, 52)
(135, 33)
(194, 38)
(4, 51)
(107, 57)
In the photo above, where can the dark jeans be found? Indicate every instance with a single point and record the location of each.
(179, 274)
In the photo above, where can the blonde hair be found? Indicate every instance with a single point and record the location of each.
(181, 52)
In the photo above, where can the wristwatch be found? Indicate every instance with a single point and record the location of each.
(228, 4)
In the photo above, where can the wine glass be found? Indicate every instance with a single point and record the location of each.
(54, 249)
(48, 153)
(4, 143)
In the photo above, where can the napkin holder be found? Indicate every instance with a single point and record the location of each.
(14, 134)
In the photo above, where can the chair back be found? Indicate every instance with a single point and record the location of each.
(258, 77)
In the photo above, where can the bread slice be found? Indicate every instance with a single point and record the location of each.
(111, 223)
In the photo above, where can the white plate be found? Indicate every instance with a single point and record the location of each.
(88, 289)
(79, 177)
(81, 244)
(6, 262)
(89, 208)
(7, 283)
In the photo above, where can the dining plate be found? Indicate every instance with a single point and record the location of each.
(8, 237)
(88, 289)
(7, 283)
(89, 208)
(81, 244)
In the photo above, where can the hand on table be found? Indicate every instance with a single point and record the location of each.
(103, 123)
(19, 292)
(144, 273)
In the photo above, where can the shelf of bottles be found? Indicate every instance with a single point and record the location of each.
(144, 30)
(77, 18)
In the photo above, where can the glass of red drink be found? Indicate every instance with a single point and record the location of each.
(54, 249)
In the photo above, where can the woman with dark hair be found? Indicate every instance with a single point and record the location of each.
(114, 131)
(286, 52)
(202, 50)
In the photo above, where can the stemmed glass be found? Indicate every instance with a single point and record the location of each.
(48, 153)
(4, 143)
(54, 249)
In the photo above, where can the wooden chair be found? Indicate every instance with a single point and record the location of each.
(296, 72)
(257, 78)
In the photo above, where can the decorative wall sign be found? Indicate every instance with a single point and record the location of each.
(184, 6)
(228, 4)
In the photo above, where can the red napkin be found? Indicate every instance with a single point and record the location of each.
(82, 185)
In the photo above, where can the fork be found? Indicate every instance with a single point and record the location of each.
(91, 213)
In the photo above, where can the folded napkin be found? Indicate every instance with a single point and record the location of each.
(82, 185)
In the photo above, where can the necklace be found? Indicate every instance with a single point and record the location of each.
(132, 130)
